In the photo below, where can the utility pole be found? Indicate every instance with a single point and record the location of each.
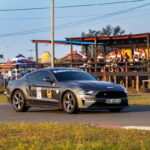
(52, 34)
(31, 53)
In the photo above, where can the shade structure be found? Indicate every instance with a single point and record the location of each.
(21, 62)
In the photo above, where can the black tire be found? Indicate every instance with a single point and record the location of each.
(69, 103)
(18, 101)
(115, 110)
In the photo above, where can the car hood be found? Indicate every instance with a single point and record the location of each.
(94, 85)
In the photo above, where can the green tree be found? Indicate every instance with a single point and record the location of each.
(105, 31)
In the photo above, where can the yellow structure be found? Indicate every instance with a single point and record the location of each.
(45, 58)
(129, 52)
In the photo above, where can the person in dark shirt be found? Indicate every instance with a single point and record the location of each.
(1, 76)
(1, 80)
(126, 58)
(100, 57)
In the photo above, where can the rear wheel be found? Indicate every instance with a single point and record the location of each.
(18, 101)
(70, 103)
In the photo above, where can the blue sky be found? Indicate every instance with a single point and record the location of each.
(135, 21)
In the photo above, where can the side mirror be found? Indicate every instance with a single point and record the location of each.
(47, 79)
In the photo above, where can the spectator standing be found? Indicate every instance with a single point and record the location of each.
(1, 80)
(1, 76)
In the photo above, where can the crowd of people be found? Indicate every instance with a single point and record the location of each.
(114, 59)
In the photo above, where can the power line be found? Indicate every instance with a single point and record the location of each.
(100, 4)
(32, 18)
(24, 9)
(64, 17)
(103, 16)
(71, 6)
(75, 23)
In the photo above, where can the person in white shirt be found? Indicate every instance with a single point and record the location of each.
(136, 56)
(119, 59)
(119, 56)
(113, 56)
(85, 57)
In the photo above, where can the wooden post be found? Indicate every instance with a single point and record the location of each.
(104, 73)
(149, 73)
(115, 79)
(95, 52)
(134, 48)
(126, 82)
(132, 82)
(86, 49)
(52, 35)
(137, 83)
(109, 78)
(95, 49)
(36, 49)
(126, 69)
(148, 46)
(71, 54)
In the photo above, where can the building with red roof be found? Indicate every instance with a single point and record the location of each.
(75, 55)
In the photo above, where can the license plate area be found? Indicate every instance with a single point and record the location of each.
(113, 101)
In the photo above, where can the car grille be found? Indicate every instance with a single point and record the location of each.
(111, 94)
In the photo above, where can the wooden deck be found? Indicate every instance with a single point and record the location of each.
(131, 74)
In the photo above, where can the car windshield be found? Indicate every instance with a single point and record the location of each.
(64, 75)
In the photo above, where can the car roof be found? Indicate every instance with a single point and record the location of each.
(59, 68)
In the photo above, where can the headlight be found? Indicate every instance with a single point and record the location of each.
(85, 92)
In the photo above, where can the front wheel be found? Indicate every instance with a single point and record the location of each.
(18, 101)
(70, 103)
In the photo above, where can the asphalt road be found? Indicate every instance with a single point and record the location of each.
(131, 116)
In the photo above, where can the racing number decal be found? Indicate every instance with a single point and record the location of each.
(49, 94)
(38, 93)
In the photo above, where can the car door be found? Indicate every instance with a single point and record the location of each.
(42, 92)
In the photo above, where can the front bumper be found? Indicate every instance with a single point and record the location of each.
(88, 101)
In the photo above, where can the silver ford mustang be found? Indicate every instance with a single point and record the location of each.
(67, 88)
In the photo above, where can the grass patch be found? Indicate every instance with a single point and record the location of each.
(140, 99)
(3, 99)
(77, 137)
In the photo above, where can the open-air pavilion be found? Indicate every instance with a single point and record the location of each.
(128, 78)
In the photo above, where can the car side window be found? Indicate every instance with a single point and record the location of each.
(39, 76)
